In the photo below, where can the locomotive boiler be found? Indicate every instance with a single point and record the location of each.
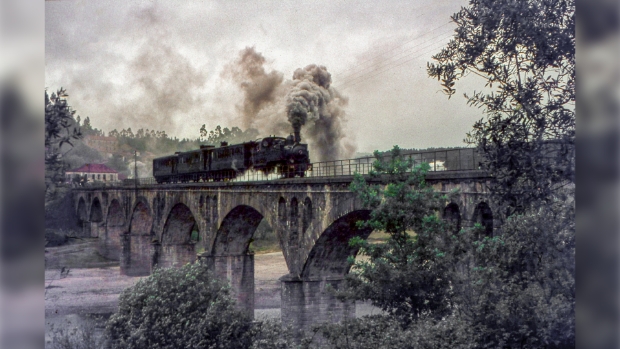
(285, 156)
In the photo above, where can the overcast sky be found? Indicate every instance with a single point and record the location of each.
(164, 66)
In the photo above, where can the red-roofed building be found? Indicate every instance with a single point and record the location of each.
(93, 173)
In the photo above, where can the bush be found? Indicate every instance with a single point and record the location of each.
(179, 308)
(77, 337)
(377, 331)
(270, 334)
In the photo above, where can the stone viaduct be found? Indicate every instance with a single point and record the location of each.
(314, 218)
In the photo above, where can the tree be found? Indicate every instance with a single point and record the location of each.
(443, 288)
(234, 135)
(179, 308)
(188, 307)
(525, 53)
(401, 276)
(116, 163)
(60, 130)
(87, 126)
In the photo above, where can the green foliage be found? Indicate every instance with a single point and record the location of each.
(512, 290)
(401, 275)
(270, 334)
(525, 52)
(232, 136)
(81, 154)
(60, 130)
(116, 163)
(446, 289)
(60, 127)
(156, 142)
(88, 129)
(397, 193)
(195, 237)
(369, 332)
(179, 308)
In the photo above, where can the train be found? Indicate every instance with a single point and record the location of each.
(285, 156)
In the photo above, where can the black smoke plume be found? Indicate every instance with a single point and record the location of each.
(314, 106)
(307, 104)
(260, 88)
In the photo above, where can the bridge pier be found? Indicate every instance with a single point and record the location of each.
(173, 256)
(95, 229)
(239, 271)
(86, 227)
(312, 301)
(110, 245)
(137, 255)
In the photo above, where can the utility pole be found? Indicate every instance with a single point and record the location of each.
(135, 172)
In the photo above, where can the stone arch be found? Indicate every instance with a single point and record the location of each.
(282, 211)
(141, 219)
(307, 215)
(484, 216)
(178, 226)
(452, 214)
(96, 212)
(116, 217)
(81, 211)
(176, 247)
(229, 254)
(294, 224)
(233, 236)
(328, 257)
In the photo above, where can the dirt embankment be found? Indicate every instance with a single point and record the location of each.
(80, 281)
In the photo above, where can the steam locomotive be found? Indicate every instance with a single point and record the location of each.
(286, 156)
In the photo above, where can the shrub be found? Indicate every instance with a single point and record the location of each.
(376, 331)
(179, 308)
(82, 336)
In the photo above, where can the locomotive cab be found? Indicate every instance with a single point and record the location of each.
(279, 152)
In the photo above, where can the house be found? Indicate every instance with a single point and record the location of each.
(93, 173)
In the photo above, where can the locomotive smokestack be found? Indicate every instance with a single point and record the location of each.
(297, 119)
(297, 135)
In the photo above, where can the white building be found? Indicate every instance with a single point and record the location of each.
(93, 173)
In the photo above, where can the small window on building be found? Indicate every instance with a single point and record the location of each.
(98, 176)
(104, 177)
(93, 177)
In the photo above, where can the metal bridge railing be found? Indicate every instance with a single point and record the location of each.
(441, 160)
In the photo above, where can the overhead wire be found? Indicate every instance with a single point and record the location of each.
(389, 68)
(360, 74)
(392, 49)
(390, 60)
